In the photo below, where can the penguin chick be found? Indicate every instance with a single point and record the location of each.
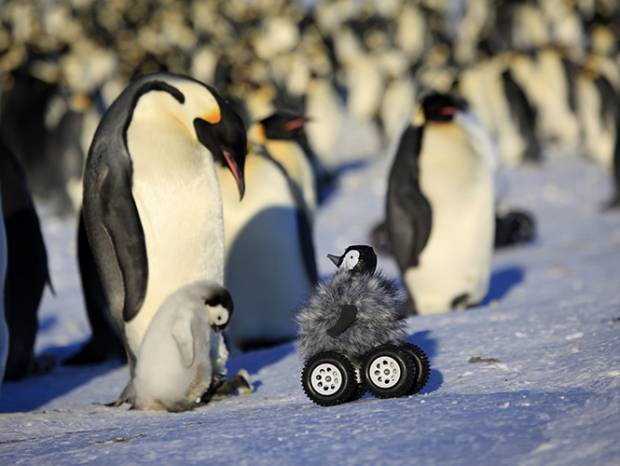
(354, 312)
(176, 365)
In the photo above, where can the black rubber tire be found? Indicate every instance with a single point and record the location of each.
(406, 363)
(349, 389)
(422, 364)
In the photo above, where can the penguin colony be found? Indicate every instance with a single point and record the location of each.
(493, 82)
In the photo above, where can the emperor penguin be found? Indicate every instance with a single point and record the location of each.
(152, 203)
(283, 137)
(270, 262)
(27, 271)
(176, 365)
(4, 330)
(440, 206)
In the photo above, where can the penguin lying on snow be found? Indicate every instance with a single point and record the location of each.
(152, 202)
(176, 364)
(440, 206)
(369, 317)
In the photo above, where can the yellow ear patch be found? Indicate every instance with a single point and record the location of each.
(213, 116)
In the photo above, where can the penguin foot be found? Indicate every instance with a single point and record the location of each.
(238, 384)
(43, 364)
(515, 227)
(93, 353)
(126, 396)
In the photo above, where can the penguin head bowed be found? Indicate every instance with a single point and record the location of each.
(219, 306)
(282, 125)
(356, 259)
(438, 107)
(222, 132)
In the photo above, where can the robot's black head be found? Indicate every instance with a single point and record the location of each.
(442, 107)
(357, 259)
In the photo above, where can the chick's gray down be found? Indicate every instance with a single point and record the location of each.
(378, 319)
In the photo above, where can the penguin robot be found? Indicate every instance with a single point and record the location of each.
(152, 203)
(27, 271)
(440, 206)
(356, 311)
(270, 262)
(175, 365)
(4, 330)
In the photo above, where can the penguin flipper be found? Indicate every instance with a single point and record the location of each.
(348, 314)
(183, 335)
(122, 224)
(409, 214)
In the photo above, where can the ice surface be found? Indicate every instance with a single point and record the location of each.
(551, 322)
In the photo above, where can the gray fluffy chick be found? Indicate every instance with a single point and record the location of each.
(356, 311)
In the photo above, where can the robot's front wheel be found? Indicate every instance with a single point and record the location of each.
(389, 371)
(328, 379)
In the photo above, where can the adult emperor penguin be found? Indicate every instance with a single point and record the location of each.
(440, 206)
(27, 272)
(152, 202)
(4, 330)
(270, 262)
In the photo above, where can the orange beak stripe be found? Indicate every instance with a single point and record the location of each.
(214, 116)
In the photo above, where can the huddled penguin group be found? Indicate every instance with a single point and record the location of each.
(211, 133)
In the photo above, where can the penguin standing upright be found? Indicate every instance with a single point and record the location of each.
(152, 202)
(4, 330)
(26, 273)
(440, 206)
(270, 263)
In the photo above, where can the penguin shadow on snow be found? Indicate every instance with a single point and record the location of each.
(255, 361)
(424, 340)
(502, 281)
(36, 391)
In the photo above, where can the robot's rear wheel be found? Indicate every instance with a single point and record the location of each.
(422, 364)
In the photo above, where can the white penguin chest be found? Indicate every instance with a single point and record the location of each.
(179, 203)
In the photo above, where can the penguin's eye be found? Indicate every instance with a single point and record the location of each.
(219, 317)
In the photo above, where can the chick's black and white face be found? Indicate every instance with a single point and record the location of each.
(350, 260)
(219, 316)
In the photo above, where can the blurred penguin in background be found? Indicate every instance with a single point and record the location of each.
(440, 206)
(27, 271)
(270, 263)
(4, 330)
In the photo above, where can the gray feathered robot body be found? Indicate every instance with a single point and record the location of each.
(352, 335)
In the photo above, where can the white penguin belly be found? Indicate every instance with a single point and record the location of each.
(177, 195)
(265, 271)
(458, 183)
(162, 379)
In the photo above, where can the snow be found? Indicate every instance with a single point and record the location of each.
(532, 377)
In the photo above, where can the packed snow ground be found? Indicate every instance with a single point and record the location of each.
(548, 393)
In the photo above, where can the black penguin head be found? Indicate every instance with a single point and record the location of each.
(356, 259)
(225, 137)
(283, 125)
(442, 107)
(220, 308)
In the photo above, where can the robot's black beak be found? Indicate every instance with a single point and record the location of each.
(337, 260)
